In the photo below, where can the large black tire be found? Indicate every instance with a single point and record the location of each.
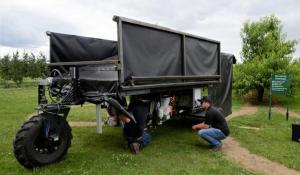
(32, 149)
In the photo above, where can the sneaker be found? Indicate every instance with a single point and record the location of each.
(217, 148)
(134, 147)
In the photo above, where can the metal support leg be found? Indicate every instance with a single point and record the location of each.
(98, 119)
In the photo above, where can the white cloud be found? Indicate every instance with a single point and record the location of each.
(23, 23)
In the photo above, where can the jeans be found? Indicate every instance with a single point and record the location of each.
(212, 135)
(146, 138)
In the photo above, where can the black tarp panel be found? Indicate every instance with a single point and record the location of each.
(221, 93)
(201, 57)
(150, 52)
(72, 48)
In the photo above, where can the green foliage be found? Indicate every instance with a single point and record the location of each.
(265, 51)
(5, 69)
(292, 102)
(237, 102)
(17, 67)
(295, 68)
(41, 66)
(264, 39)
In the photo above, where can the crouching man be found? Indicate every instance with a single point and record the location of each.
(214, 128)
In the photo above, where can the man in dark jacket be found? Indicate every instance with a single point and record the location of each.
(214, 128)
(134, 133)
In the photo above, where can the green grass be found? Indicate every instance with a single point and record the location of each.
(27, 82)
(175, 149)
(85, 113)
(272, 140)
(237, 101)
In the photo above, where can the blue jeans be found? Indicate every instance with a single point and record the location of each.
(212, 135)
(146, 138)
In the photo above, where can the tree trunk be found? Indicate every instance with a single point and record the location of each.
(260, 93)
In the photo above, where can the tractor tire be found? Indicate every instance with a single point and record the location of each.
(32, 149)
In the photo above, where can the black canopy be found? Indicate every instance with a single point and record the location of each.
(73, 48)
(221, 93)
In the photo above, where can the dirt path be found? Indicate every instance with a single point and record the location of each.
(81, 124)
(282, 110)
(245, 110)
(234, 152)
(71, 123)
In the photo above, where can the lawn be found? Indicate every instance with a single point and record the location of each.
(27, 82)
(268, 138)
(85, 113)
(175, 149)
(237, 101)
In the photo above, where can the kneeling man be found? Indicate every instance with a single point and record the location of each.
(214, 128)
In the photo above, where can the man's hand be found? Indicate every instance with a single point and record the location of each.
(124, 118)
(200, 126)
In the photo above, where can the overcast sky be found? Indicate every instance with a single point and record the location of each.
(23, 23)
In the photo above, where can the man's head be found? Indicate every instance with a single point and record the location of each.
(205, 102)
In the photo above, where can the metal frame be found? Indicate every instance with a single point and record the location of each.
(187, 77)
(120, 50)
(183, 58)
(85, 63)
(144, 24)
(163, 85)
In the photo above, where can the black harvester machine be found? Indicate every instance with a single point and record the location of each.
(148, 61)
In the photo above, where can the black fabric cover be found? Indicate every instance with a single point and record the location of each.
(221, 93)
(150, 52)
(98, 78)
(72, 48)
(147, 52)
(201, 57)
(90, 88)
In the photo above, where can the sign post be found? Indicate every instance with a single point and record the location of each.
(279, 85)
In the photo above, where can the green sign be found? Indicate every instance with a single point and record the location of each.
(280, 84)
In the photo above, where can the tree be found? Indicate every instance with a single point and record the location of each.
(18, 66)
(295, 67)
(17, 69)
(41, 64)
(27, 64)
(5, 69)
(33, 71)
(265, 51)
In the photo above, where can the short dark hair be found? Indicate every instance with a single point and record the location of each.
(205, 99)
